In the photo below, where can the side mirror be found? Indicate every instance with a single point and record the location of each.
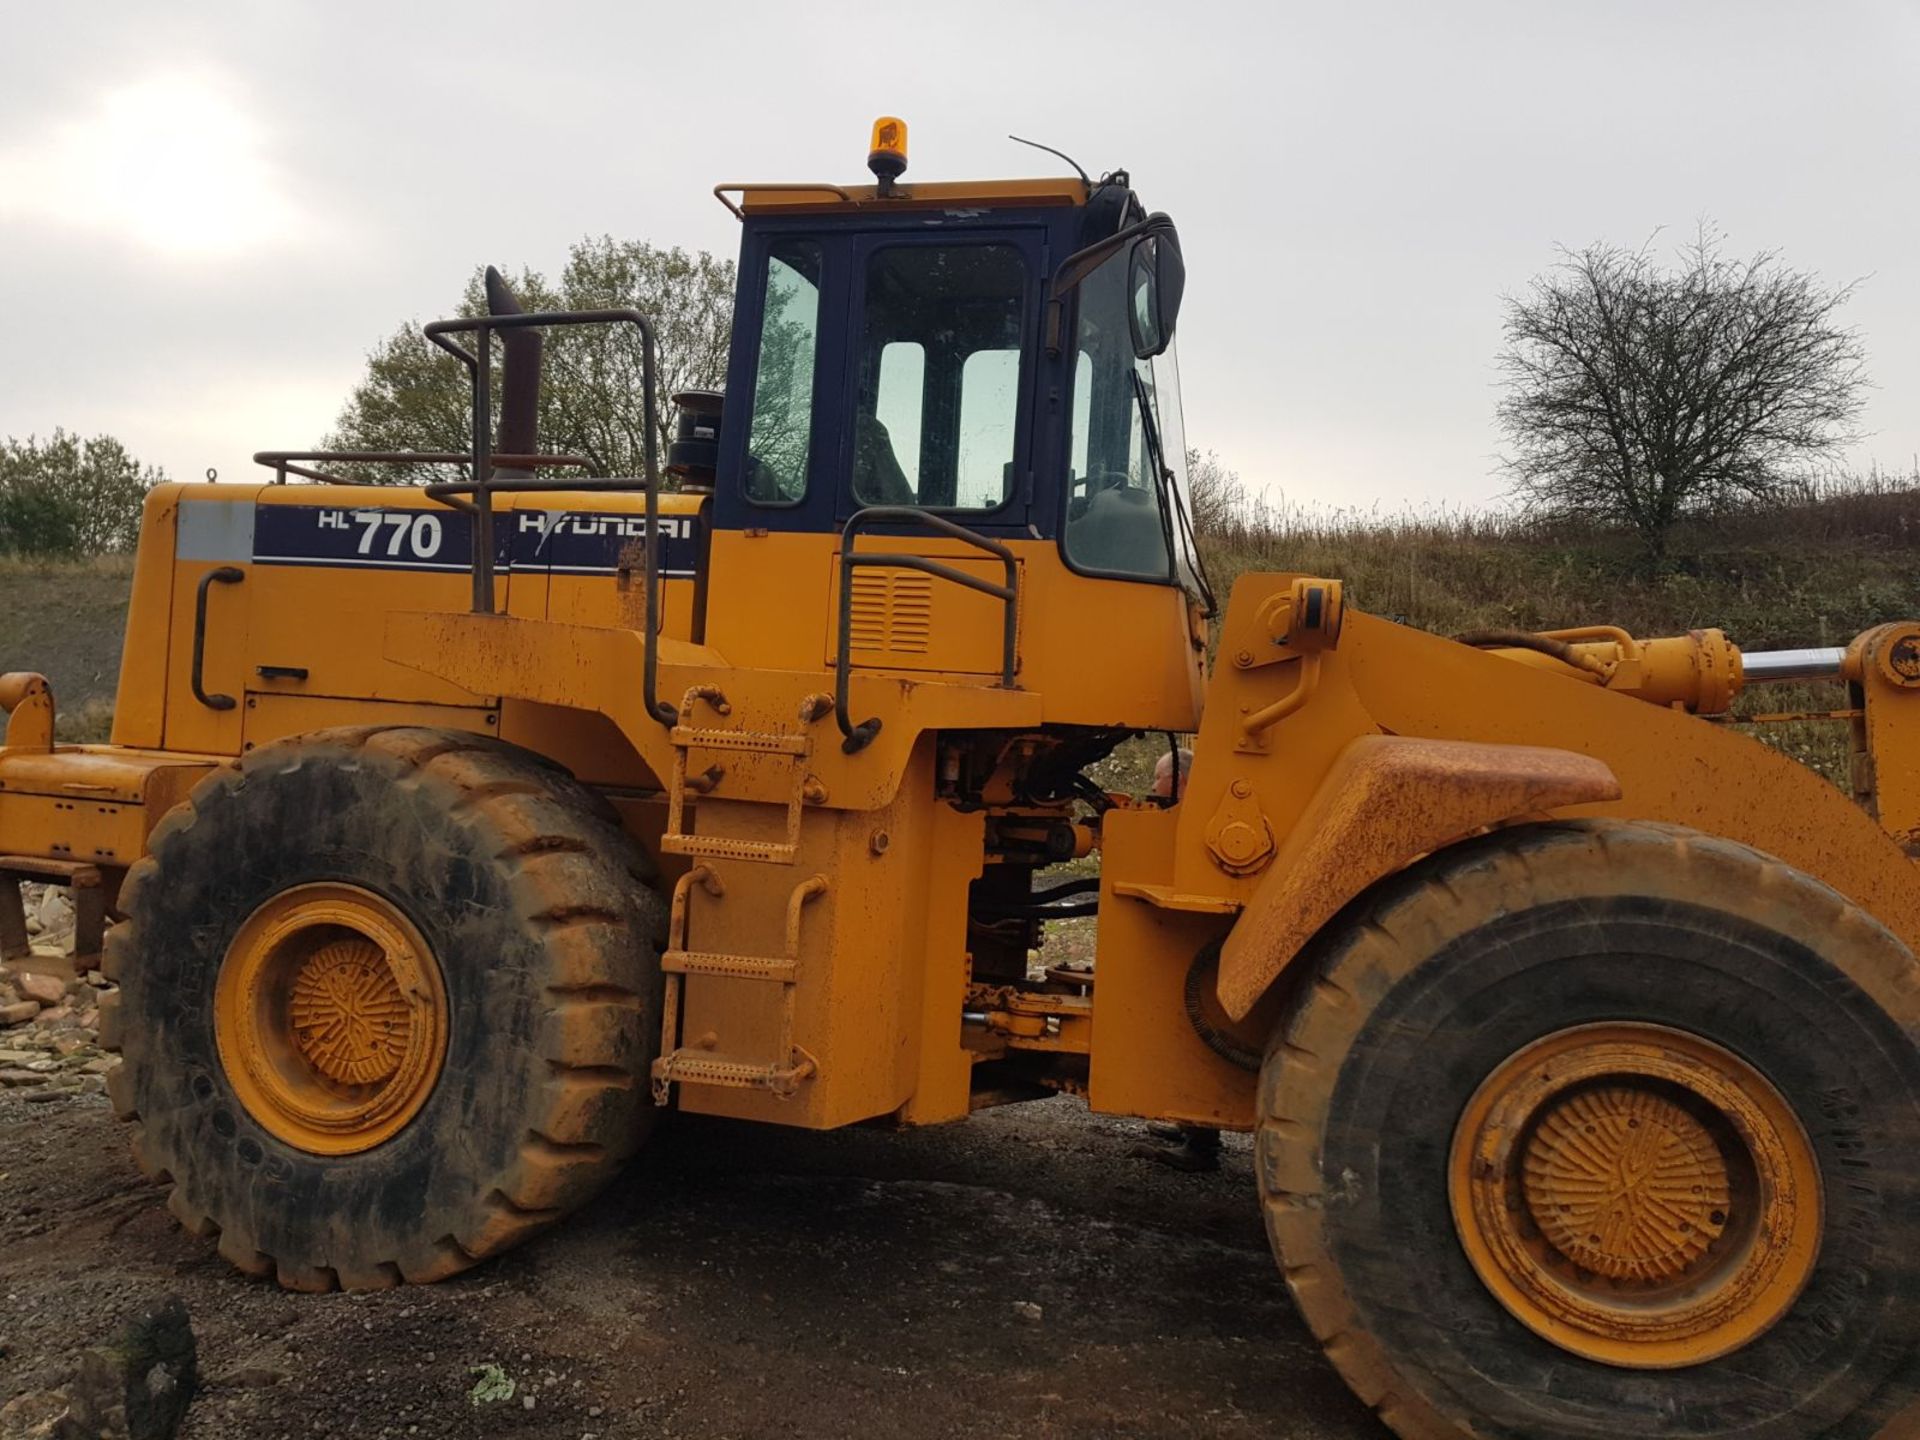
(1156, 278)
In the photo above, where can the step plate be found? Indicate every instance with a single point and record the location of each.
(737, 967)
(720, 847)
(697, 1067)
(750, 741)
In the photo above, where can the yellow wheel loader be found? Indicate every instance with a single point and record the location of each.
(448, 833)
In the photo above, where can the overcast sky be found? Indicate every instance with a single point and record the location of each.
(210, 212)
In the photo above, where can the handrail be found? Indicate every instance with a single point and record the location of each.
(761, 187)
(483, 485)
(285, 462)
(859, 736)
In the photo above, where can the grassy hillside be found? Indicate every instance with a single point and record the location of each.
(66, 621)
(1814, 572)
(1811, 573)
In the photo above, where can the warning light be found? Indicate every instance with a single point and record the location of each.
(887, 155)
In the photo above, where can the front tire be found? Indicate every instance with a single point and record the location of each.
(387, 1003)
(1448, 1174)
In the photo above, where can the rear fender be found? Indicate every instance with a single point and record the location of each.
(1386, 801)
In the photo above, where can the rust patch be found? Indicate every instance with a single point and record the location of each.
(628, 586)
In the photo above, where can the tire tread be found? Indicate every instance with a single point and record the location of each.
(573, 873)
(1382, 938)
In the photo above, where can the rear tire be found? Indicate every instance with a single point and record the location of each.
(337, 1121)
(1421, 998)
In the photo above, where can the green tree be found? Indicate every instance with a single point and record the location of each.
(1641, 393)
(65, 497)
(416, 397)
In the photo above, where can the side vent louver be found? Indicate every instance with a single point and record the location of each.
(892, 611)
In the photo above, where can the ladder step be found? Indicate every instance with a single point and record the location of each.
(737, 967)
(688, 738)
(697, 1067)
(721, 847)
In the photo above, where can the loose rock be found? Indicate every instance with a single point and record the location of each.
(47, 989)
(137, 1387)
(252, 1377)
(55, 909)
(33, 1415)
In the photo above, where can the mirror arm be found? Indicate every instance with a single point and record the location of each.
(1082, 263)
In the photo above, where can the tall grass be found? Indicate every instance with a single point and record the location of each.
(1814, 568)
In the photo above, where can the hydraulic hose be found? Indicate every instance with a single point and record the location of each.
(1526, 640)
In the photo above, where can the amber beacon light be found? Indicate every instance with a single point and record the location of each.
(887, 155)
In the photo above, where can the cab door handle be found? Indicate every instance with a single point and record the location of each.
(225, 575)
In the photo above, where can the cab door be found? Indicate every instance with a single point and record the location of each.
(939, 374)
(938, 418)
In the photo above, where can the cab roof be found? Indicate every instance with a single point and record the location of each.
(815, 197)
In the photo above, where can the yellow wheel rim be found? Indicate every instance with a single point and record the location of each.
(1636, 1195)
(330, 1018)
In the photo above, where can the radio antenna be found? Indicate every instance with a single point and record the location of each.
(1084, 178)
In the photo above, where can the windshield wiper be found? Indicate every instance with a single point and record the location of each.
(1171, 500)
(1157, 461)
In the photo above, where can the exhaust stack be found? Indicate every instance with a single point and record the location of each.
(519, 379)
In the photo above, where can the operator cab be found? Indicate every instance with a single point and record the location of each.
(998, 355)
(953, 410)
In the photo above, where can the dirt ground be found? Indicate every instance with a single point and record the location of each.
(736, 1282)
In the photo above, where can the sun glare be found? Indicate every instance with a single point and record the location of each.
(170, 163)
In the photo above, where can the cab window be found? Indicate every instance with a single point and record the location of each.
(780, 440)
(903, 384)
(1117, 517)
(936, 399)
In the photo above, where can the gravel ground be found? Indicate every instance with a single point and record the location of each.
(736, 1281)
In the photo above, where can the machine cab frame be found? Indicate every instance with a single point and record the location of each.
(953, 363)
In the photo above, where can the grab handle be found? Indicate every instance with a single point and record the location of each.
(225, 575)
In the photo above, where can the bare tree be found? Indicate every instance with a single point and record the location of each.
(1217, 496)
(1640, 394)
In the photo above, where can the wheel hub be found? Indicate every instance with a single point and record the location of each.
(1637, 1195)
(330, 1018)
(1625, 1183)
(349, 1017)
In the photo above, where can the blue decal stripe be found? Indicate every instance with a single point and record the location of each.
(372, 537)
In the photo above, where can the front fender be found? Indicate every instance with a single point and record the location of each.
(1386, 801)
